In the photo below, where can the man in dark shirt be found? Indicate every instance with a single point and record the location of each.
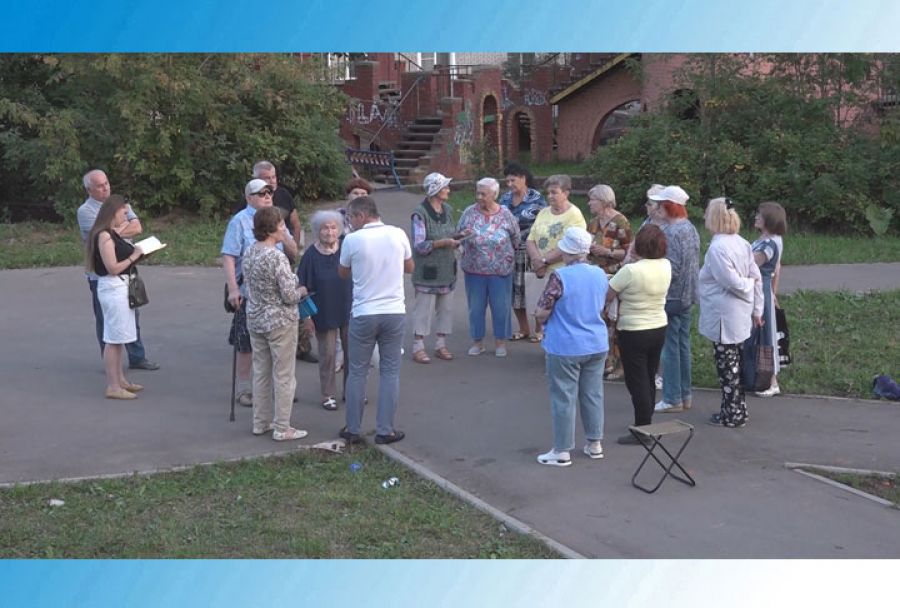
(282, 198)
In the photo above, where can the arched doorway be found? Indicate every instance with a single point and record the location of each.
(615, 124)
(522, 141)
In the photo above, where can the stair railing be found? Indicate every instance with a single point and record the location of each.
(396, 108)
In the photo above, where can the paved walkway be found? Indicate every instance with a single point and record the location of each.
(479, 422)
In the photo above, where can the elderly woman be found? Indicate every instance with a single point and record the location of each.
(653, 217)
(434, 254)
(490, 236)
(576, 346)
(731, 302)
(111, 257)
(683, 253)
(548, 229)
(318, 273)
(771, 221)
(525, 203)
(641, 326)
(612, 239)
(272, 296)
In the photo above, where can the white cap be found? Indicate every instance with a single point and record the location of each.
(255, 185)
(671, 193)
(575, 241)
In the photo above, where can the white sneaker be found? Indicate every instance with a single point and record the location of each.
(593, 449)
(658, 381)
(290, 434)
(662, 406)
(770, 392)
(555, 459)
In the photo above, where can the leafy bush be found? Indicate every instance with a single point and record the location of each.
(782, 137)
(172, 131)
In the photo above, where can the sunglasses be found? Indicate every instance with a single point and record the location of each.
(265, 192)
(729, 204)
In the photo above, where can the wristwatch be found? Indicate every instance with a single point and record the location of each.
(544, 261)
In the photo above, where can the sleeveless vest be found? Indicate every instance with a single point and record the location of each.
(576, 328)
(438, 268)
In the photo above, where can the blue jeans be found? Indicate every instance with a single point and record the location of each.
(365, 332)
(576, 381)
(135, 350)
(676, 359)
(482, 290)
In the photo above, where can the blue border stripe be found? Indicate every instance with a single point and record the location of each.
(461, 25)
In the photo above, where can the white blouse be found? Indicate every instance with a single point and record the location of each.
(730, 290)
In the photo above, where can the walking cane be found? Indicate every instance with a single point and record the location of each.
(233, 379)
(234, 352)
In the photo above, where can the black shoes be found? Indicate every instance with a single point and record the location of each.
(392, 438)
(717, 420)
(350, 438)
(308, 357)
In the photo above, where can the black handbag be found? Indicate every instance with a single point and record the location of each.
(137, 291)
(784, 337)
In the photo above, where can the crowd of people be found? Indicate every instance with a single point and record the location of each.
(613, 302)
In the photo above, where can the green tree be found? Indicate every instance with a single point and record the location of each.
(765, 128)
(173, 131)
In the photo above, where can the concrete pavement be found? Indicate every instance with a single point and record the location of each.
(477, 421)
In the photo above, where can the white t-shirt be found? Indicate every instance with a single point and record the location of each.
(375, 254)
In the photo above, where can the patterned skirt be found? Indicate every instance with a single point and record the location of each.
(522, 265)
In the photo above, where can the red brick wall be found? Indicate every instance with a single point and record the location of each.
(581, 113)
(659, 78)
(366, 114)
(531, 99)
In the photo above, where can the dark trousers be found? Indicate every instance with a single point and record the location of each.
(135, 350)
(640, 352)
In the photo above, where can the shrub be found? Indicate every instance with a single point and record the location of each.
(172, 131)
(781, 137)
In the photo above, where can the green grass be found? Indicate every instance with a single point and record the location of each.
(557, 167)
(191, 242)
(839, 342)
(877, 485)
(302, 505)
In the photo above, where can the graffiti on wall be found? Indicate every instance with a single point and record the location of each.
(533, 97)
(372, 112)
(505, 102)
(464, 133)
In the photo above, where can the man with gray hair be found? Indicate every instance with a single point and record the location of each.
(98, 190)
(281, 198)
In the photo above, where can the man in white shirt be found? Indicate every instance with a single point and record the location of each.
(97, 187)
(376, 256)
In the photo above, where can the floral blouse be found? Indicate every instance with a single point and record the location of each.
(272, 289)
(613, 234)
(491, 249)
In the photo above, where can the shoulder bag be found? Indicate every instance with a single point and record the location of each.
(137, 291)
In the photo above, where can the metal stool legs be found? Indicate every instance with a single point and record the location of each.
(650, 437)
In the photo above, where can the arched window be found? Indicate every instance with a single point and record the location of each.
(616, 123)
